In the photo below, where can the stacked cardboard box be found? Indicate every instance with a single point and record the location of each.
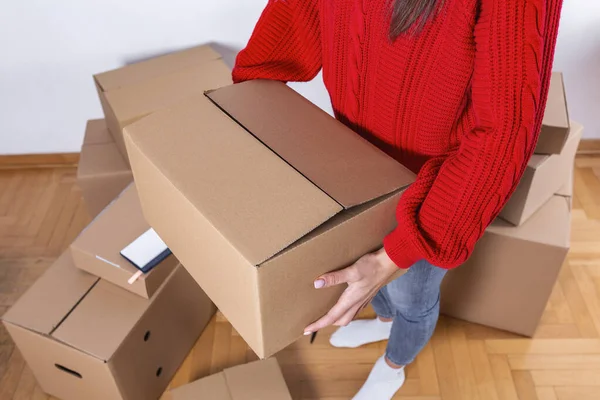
(507, 281)
(86, 329)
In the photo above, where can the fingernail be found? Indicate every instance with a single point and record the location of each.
(319, 283)
(307, 333)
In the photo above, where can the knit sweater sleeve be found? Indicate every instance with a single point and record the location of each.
(454, 198)
(285, 44)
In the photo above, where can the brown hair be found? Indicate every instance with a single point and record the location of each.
(411, 14)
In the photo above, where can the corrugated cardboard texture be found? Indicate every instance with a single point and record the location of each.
(97, 249)
(555, 125)
(507, 281)
(544, 176)
(257, 380)
(132, 92)
(224, 203)
(341, 163)
(102, 173)
(101, 339)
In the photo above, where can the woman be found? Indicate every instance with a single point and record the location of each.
(454, 90)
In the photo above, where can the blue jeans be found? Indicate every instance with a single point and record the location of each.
(413, 302)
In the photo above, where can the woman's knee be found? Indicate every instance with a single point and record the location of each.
(419, 308)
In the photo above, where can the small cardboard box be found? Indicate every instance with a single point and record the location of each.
(259, 380)
(136, 90)
(260, 192)
(544, 176)
(97, 248)
(85, 338)
(555, 125)
(509, 278)
(102, 173)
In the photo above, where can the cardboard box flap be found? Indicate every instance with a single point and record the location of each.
(96, 132)
(337, 160)
(100, 237)
(137, 100)
(248, 193)
(111, 311)
(556, 113)
(557, 209)
(101, 159)
(258, 380)
(215, 384)
(52, 297)
(144, 70)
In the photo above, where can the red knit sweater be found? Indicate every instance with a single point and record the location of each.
(461, 103)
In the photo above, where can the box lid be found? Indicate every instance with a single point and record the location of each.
(550, 225)
(96, 132)
(338, 161)
(556, 113)
(52, 297)
(144, 70)
(264, 190)
(78, 309)
(111, 311)
(257, 380)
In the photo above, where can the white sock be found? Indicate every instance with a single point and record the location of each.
(383, 382)
(360, 332)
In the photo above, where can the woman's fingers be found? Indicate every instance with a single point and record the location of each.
(348, 316)
(344, 304)
(335, 278)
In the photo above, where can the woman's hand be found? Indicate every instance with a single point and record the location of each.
(364, 278)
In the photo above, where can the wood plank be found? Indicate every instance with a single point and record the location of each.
(554, 362)
(546, 393)
(524, 385)
(503, 377)
(566, 378)
(544, 346)
(462, 362)
(484, 377)
(577, 392)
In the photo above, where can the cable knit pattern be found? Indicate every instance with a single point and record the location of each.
(461, 103)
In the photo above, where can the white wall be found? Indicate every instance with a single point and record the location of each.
(50, 49)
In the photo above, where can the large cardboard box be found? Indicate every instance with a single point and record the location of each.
(102, 173)
(555, 125)
(97, 248)
(259, 380)
(258, 192)
(544, 176)
(508, 279)
(85, 338)
(136, 90)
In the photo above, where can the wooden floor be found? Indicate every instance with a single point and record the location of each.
(41, 212)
